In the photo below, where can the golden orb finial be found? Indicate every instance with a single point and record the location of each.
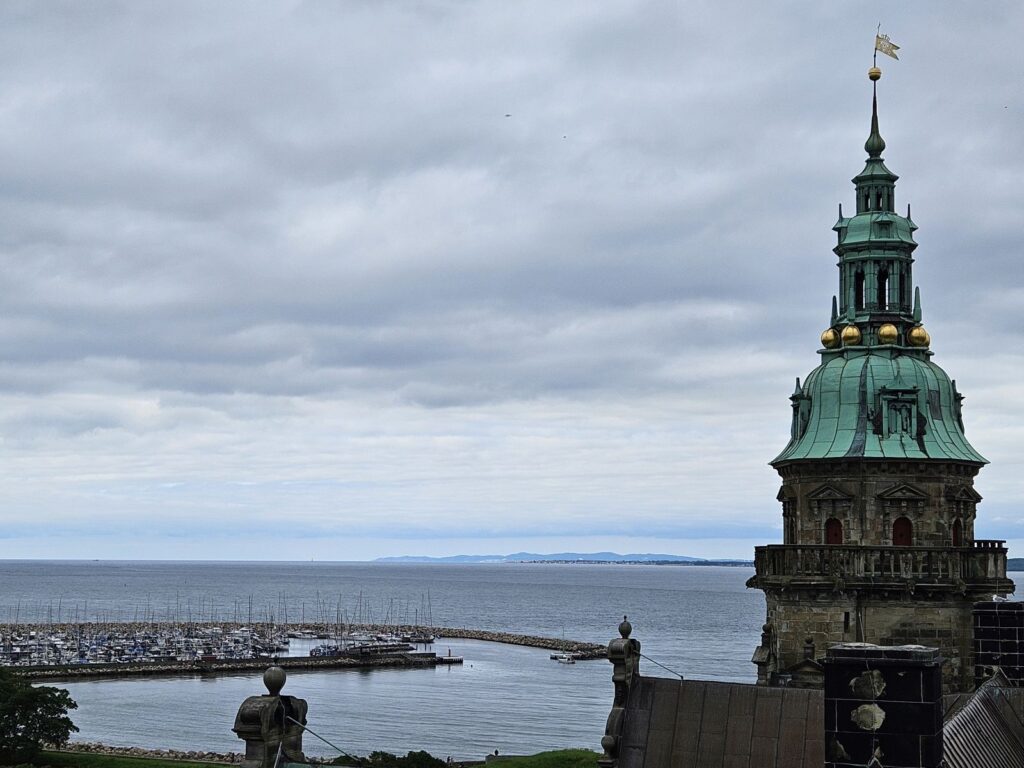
(851, 335)
(888, 334)
(874, 74)
(919, 337)
(829, 338)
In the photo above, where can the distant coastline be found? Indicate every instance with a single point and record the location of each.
(570, 558)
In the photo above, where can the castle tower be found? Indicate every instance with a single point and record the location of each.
(878, 499)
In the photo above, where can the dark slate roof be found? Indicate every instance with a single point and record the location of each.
(987, 731)
(700, 724)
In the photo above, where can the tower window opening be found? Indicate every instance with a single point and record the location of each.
(883, 289)
(904, 293)
(833, 532)
(902, 532)
(846, 621)
(958, 533)
(858, 290)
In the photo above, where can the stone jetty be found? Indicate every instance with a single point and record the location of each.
(579, 650)
(171, 668)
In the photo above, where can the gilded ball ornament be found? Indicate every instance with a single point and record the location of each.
(851, 335)
(919, 337)
(829, 338)
(888, 334)
(874, 73)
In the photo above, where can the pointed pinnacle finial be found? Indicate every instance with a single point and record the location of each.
(917, 304)
(875, 144)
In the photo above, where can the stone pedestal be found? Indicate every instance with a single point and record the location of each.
(624, 654)
(271, 725)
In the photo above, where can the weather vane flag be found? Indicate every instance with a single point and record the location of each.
(885, 45)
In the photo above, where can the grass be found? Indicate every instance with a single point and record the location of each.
(91, 760)
(565, 758)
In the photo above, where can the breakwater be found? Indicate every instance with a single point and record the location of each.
(579, 650)
(219, 667)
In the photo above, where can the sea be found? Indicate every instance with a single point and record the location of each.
(695, 621)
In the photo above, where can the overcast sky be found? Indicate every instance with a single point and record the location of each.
(339, 280)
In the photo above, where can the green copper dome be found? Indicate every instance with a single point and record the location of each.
(882, 405)
(876, 393)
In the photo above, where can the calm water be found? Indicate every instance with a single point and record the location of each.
(700, 621)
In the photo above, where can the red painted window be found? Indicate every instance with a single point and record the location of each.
(833, 532)
(902, 532)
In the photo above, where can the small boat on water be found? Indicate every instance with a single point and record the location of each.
(361, 650)
(563, 658)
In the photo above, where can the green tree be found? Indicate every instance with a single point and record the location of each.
(380, 759)
(421, 759)
(31, 717)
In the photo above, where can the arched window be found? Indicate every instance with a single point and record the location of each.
(902, 532)
(958, 533)
(833, 532)
(858, 290)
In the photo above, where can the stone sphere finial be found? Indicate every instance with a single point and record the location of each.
(274, 679)
(625, 628)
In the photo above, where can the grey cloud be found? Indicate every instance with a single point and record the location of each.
(301, 241)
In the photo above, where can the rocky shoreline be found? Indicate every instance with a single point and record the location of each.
(194, 756)
(92, 747)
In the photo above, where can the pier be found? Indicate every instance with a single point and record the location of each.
(218, 667)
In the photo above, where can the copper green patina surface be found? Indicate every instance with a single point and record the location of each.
(848, 413)
(870, 399)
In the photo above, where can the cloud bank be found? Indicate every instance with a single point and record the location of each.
(345, 280)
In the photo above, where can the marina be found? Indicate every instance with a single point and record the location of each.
(134, 650)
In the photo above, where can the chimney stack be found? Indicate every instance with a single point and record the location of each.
(883, 706)
(999, 640)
